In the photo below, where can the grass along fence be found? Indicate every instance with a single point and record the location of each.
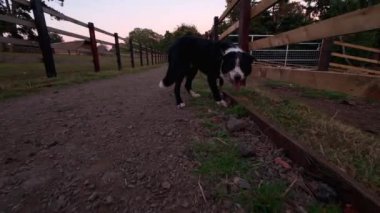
(349, 190)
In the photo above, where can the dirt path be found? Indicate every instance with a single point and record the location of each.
(113, 146)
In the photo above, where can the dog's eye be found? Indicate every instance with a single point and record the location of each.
(228, 66)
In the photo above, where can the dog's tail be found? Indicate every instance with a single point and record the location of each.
(167, 81)
(170, 76)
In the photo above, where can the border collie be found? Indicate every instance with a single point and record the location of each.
(215, 59)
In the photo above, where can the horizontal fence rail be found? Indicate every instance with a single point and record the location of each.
(46, 48)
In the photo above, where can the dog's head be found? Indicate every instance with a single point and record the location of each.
(236, 66)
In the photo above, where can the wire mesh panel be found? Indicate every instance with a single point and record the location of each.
(303, 54)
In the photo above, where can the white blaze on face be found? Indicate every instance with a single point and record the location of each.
(236, 71)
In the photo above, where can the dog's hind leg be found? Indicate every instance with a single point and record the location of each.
(189, 81)
(177, 91)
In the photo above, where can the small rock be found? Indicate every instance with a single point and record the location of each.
(165, 185)
(233, 124)
(282, 163)
(228, 204)
(86, 182)
(93, 196)
(242, 183)
(348, 102)
(130, 127)
(61, 202)
(185, 204)
(246, 151)
(54, 143)
(92, 186)
(109, 200)
(140, 175)
(325, 193)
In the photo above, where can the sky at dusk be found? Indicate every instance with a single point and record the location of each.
(122, 16)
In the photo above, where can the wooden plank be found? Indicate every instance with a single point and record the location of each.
(14, 20)
(349, 190)
(62, 32)
(18, 41)
(354, 68)
(255, 11)
(327, 28)
(261, 7)
(228, 10)
(230, 30)
(23, 2)
(104, 32)
(355, 46)
(63, 17)
(356, 58)
(104, 42)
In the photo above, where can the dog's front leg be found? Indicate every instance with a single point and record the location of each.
(215, 91)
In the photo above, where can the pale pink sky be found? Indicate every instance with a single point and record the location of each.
(122, 16)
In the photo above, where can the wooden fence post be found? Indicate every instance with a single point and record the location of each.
(147, 56)
(215, 28)
(141, 55)
(151, 55)
(43, 38)
(94, 48)
(245, 16)
(155, 56)
(131, 52)
(117, 48)
(325, 54)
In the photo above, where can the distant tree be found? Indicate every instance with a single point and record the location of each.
(184, 30)
(147, 37)
(55, 38)
(12, 8)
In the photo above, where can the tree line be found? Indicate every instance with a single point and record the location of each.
(284, 16)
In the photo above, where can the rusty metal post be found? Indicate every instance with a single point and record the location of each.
(215, 29)
(244, 21)
(94, 48)
(131, 52)
(141, 55)
(325, 54)
(117, 49)
(43, 38)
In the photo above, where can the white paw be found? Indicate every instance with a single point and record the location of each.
(194, 94)
(181, 105)
(161, 84)
(222, 103)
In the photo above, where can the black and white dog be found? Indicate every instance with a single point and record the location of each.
(215, 59)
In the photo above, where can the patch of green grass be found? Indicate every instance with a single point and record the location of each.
(21, 74)
(238, 111)
(324, 208)
(308, 92)
(267, 198)
(277, 84)
(219, 160)
(323, 94)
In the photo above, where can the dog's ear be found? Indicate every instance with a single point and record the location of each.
(222, 45)
(252, 59)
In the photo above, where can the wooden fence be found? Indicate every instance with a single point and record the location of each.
(44, 43)
(352, 22)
